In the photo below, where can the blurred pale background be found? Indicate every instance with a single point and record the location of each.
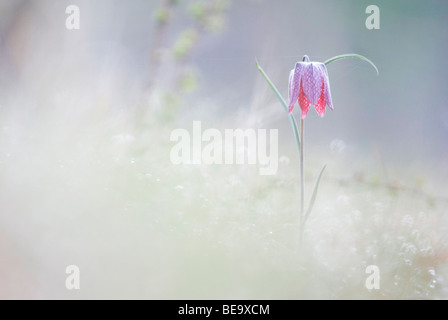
(86, 179)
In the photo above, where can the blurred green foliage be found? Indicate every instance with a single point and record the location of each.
(162, 15)
(185, 43)
(206, 18)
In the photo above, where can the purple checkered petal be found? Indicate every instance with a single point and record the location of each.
(290, 84)
(294, 84)
(326, 86)
(312, 81)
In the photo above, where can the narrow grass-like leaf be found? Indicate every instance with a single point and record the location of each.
(283, 102)
(352, 55)
(279, 96)
(313, 195)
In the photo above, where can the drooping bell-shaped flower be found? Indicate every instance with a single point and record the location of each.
(309, 85)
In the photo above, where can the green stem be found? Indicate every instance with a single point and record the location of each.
(302, 178)
(351, 55)
(302, 186)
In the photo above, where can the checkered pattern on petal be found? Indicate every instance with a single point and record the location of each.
(312, 81)
(304, 103)
(320, 104)
(294, 84)
(327, 86)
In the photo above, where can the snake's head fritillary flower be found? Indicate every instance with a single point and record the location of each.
(309, 84)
